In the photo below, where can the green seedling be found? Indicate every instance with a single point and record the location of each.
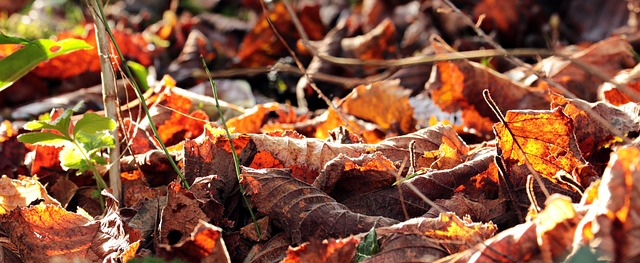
(80, 143)
(368, 246)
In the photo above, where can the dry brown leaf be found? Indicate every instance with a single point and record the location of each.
(547, 238)
(180, 216)
(611, 223)
(260, 47)
(384, 103)
(328, 250)
(608, 57)
(593, 135)
(20, 193)
(273, 250)
(204, 245)
(458, 86)
(44, 231)
(436, 184)
(449, 231)
(343, 176)
(302, 210)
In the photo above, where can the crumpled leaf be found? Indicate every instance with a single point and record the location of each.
(592, 135)
(51, 231)
(608, 57)
(180, 216)
(328, 250)
(306, 211)
(20, 193)
(610, 226)
(548, 237)
(454, 233)
(343, 176)
(260, 47)
(273, 250)
(204, 245)
(436, 184)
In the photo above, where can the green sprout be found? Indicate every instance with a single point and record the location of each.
(80, 143)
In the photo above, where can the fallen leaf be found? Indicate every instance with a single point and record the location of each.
(547, 140)
(384, 103)
(51, 231)
(204, 245)
(306, 211)
(328, 250)
(20, 193)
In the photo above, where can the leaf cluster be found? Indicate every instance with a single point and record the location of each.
(80, 143)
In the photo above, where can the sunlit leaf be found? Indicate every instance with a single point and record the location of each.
(92, 123)
(71, 158)
(43, 138)
(19, 63)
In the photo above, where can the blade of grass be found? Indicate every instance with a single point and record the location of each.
(125, 66)
(233, 149)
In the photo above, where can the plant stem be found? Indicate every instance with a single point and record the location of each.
(143, 102)
(108, 96)
(96, 174)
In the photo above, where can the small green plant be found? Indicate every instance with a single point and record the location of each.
(81, 143)
(368, 246)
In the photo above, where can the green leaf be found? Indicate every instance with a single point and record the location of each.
(38, 125)
(99, 160)
(43, 138)
(71, 158)
(92, 142)
(140, 73)
(93, 123)
(368, 246)
(19, 63)
(4, 39)
(63, 122)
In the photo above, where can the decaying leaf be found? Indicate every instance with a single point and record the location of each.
(20, 193)
(50, 231)
(593, 135)
(328, 250)
(457, 234)
(306, 211)
(610, 226)
(204, 245)
(180, 216)
(436, 184)
(548, 237)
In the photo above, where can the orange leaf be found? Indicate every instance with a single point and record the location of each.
(547, 141)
